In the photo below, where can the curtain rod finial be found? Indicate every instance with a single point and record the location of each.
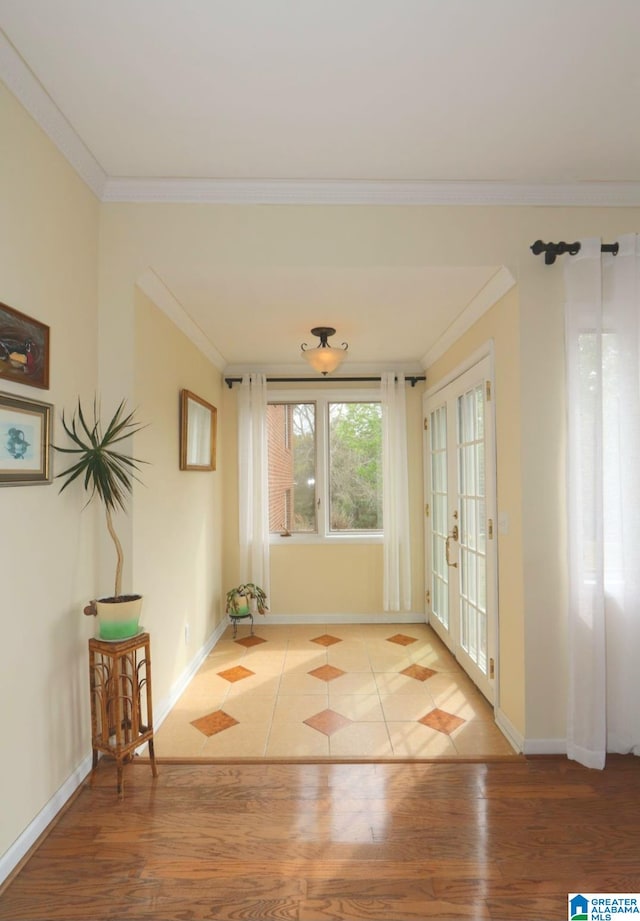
(553, 250)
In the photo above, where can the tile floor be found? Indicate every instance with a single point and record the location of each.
(334, 691)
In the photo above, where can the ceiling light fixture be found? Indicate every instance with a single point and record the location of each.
(323, 357)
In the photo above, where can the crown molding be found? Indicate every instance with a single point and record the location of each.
(29, 91)
(157, 291)
(26, 87)
(495, 288)
(360, 192)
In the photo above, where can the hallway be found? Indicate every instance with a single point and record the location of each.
(353, 691)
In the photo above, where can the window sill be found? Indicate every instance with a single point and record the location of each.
(298, 539)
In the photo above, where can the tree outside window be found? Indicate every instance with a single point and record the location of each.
(325, 476)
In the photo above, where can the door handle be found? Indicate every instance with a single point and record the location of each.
(453, 536)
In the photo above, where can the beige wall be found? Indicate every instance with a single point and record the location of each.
(107, 339)
(177, 514)
(500, 327)
(48, 269)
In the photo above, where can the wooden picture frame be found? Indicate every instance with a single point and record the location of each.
(25, 436)
(198, 425)
(24, 348)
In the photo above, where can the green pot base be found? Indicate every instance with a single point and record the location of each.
(118, 629)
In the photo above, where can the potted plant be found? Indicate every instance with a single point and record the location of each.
(244, 598)
(107, 472)
(243, 601)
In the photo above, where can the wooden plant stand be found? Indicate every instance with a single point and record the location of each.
(121, 714)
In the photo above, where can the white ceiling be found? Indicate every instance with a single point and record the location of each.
(370, 97)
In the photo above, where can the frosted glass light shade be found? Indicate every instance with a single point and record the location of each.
(324, 358)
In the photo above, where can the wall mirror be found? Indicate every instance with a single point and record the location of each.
(198, 421)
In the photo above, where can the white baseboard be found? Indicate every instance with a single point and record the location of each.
(545, 747)
(161, 710)
(504, 724)
(386, 617)
(529, 746)
(21, 846)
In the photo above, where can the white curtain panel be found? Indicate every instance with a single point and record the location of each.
(603, 483)
(395, 489)
(253, 481)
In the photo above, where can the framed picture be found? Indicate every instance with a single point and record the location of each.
(24, 348)
(25, 435)
(198, 420)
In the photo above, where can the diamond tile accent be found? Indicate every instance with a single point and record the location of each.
(237, 673)
(419, 672)
(214, 722)
(442, 721)
(402, 639)
(327, 722)
(250, 641)
(326, 640)
(327, 672)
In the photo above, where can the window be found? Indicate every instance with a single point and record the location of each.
(292, 449)
(355, 466)
(325, 466)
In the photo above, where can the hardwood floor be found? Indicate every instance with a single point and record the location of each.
(313, 842)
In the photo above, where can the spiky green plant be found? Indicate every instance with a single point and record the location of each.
(108, 473)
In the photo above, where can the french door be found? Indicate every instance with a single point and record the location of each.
(460, 515)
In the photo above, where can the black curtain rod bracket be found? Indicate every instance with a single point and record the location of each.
(230, 381)
(553, 250)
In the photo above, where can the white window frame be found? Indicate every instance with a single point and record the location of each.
(322, 398)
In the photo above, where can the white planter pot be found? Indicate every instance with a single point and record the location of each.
(118, 620)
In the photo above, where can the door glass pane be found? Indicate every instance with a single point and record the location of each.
(439, 568)
(472, 505)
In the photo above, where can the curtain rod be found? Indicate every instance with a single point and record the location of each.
(230, 381)
(551, 250)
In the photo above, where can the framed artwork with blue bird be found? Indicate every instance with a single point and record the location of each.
(25, 441)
